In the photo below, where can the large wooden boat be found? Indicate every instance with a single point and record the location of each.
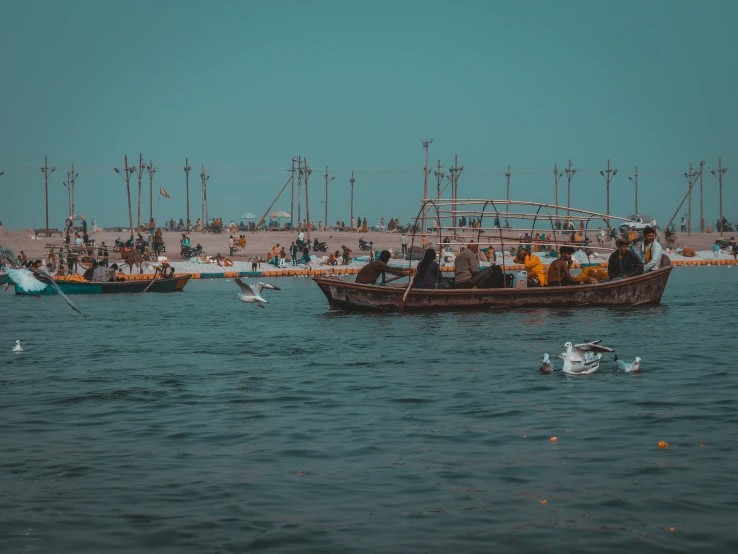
(172, 284)
(634, 291)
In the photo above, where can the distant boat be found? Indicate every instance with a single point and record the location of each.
(173, 284)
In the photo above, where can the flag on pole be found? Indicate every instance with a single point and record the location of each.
(164, 193)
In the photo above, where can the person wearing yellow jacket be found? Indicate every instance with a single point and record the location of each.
(534, 267)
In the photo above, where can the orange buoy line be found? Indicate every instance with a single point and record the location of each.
(355, 270)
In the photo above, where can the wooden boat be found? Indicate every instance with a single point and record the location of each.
(172, 284)
(634, 291)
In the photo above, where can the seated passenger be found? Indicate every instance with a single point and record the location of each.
(558, 271)
(650, 250)
(624, 262)
(89, 274)
(333, 258)
(534, 267)
(429, 272)
(466, 270)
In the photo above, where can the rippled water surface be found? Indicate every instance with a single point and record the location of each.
(194, 423)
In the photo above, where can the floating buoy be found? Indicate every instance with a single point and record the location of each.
(663, 444)
(553, 439)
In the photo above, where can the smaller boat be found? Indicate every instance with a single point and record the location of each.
(172, 284)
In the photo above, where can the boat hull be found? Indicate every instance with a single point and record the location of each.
(174, 284)
(634, 291)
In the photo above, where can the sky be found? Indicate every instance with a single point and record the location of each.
(241, 87)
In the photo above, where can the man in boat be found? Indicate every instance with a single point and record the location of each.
(165, 270)
(624, 262)
(651, 251)
(373, 270)
(558, 271)
(534, 267)
(466, 270)
(89, 273)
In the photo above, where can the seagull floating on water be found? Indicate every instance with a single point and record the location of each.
(577, 352)
(18, 348)
(546, 365)
(251, 292)
(579, 368)
(634, 367)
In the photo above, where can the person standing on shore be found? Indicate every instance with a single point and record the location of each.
(231, 245)
(293, 253)
(403, 242)
(684, 224)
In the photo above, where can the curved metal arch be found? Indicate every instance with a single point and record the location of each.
(412, 243)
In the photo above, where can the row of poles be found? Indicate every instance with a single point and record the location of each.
(692, 176)
(302, 171)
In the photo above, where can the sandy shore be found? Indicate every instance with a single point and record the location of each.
(259, 243)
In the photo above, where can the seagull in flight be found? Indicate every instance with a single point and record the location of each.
(17, 348)
(634, 367)
(31, 281)
(578, 352)
(251, 292)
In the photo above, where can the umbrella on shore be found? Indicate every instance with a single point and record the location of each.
(248, 215)
(279, 215)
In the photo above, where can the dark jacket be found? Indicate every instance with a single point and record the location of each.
(629, 265)
(429, 278)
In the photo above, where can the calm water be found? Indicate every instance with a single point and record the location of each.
(184, 423)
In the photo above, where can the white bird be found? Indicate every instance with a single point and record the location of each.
(546, 365)
(634, 367)
(35, 281)
(251, 292)
(577, 352)
(579, 368)
(18, 348)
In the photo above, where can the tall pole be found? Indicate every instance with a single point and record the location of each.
(691, 179)
(299, 192)
(139, 173)
(608, 174)
(508, 174)
(292, 202)
(352, 180)
(426, 172)
(327, 180)
(187, 169)
(719, 174)
(204, 183)
(68, 184)
(74, 179)
(326, 197)
(635, 182)
(308, 171)
(439, 177)
(151, 170)
(128, 193)
(46, 171)
(569, 174)
(557, 175)
(702, 215)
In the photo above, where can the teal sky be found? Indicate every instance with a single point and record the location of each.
(241, 87)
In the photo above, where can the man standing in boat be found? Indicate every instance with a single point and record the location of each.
(624, 262)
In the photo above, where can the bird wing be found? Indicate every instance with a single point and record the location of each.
(593, 346)
(259, 286)
(25, 279)
(246, 289)
(50, 281)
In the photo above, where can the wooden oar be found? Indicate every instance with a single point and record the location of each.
(151, 283)
(404, 296)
